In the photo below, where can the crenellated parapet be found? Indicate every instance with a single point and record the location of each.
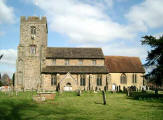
(33, 19)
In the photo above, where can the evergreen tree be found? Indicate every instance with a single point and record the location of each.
(154, 58)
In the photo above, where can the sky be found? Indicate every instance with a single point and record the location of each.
(117, 26)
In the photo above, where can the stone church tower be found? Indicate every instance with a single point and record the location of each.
(33, 43)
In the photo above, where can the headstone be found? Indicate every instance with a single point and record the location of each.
(16, 92)
(128, 91)
(79, 93)
(104, 97)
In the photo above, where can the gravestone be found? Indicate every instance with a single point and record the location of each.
(104, 97)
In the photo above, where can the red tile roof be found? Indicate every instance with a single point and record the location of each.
(120, 64)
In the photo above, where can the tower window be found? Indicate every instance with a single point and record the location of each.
(33, 49)
(53, 80)
(33, 30)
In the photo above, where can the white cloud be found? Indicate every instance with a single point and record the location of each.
(123, 50)
(6, 13)
(9, 57)
(87, 22)
(148, 14)
(82, 22)
(8, 61)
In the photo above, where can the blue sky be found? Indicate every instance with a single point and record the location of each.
(114, 25)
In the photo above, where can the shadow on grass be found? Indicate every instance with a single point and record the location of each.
(16, 109)
(99, 103)
(9, 110)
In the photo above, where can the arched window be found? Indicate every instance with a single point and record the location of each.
(99, 80)
(82, 80)
(123, 79)
(134, 78)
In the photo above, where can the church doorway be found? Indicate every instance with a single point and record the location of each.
(68, 87)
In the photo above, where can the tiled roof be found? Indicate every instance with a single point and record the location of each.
(119, 64)
(79, 53)
(75, 69)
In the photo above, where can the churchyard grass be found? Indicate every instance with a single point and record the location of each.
(88, 106)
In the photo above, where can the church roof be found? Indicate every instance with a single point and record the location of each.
(120, 64)
(75, 69)
(74, 53)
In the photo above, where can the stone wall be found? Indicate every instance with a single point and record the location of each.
(115, 79)
(74, 79)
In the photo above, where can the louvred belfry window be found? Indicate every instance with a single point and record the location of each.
(33, 30)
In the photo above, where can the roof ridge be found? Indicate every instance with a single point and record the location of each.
(78, 47)
(74, 66)
(121, 56)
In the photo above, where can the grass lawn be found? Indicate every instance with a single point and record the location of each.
(68, 106)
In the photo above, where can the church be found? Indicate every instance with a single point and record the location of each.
(69, 69)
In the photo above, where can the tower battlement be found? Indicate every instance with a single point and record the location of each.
(32, 19)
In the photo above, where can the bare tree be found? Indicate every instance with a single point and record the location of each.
(5, 79)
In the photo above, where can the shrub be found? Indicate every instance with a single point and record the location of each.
(145, 95)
